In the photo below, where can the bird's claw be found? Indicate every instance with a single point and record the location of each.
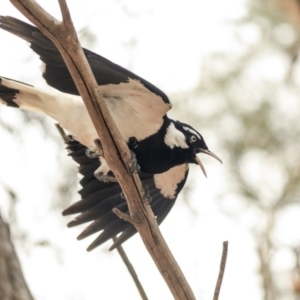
(134, 166)
(105, 178)
(146, 197)
(95, 151)
(92, 154)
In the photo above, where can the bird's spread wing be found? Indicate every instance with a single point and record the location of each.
(99, 198)
(114, 81)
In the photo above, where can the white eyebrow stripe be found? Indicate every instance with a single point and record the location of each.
(192, 131)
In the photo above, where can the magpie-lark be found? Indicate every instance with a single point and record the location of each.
(163, 147)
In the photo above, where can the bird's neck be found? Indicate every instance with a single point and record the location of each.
(160, 151)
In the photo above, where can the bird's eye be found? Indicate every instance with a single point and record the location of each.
(193, 139)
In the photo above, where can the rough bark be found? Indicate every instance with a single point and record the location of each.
(12, 282)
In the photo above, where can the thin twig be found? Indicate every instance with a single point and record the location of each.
(124, 216)
(222, 270)
(131, 270)
(65, 12)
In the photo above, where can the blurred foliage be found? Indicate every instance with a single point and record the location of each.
(249, 100)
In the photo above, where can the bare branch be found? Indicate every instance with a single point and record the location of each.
(115, 149)
(122, 215)
(65, 13)
(131, 271)
(221, 272)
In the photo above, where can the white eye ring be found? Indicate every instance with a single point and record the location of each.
(193, 139)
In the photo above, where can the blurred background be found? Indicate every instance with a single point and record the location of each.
(232, 71)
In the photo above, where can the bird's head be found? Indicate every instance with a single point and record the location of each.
(189, 140)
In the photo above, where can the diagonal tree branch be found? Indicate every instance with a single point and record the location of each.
(115, 150)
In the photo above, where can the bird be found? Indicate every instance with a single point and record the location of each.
(162, 147)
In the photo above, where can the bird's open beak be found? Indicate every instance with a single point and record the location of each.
(198, 161)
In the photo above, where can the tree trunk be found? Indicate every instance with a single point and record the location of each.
(12, 282)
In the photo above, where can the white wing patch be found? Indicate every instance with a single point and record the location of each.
(192, 131)
(167, 182)
(136, 111)
(174, 137)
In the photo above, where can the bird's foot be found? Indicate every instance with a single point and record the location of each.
(134, 166)
(95, 151)
(92, 154)
(102, 172)
(104, 177)
(132, 144)
(146, 197)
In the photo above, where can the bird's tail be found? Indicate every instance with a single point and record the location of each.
(21, 95)
(68, 110)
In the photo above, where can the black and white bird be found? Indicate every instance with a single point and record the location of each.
(163, 147)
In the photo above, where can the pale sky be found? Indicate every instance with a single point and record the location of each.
(172, 39)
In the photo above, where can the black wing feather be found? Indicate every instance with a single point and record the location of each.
(99, 198)
(57, 74)
(8, 94)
